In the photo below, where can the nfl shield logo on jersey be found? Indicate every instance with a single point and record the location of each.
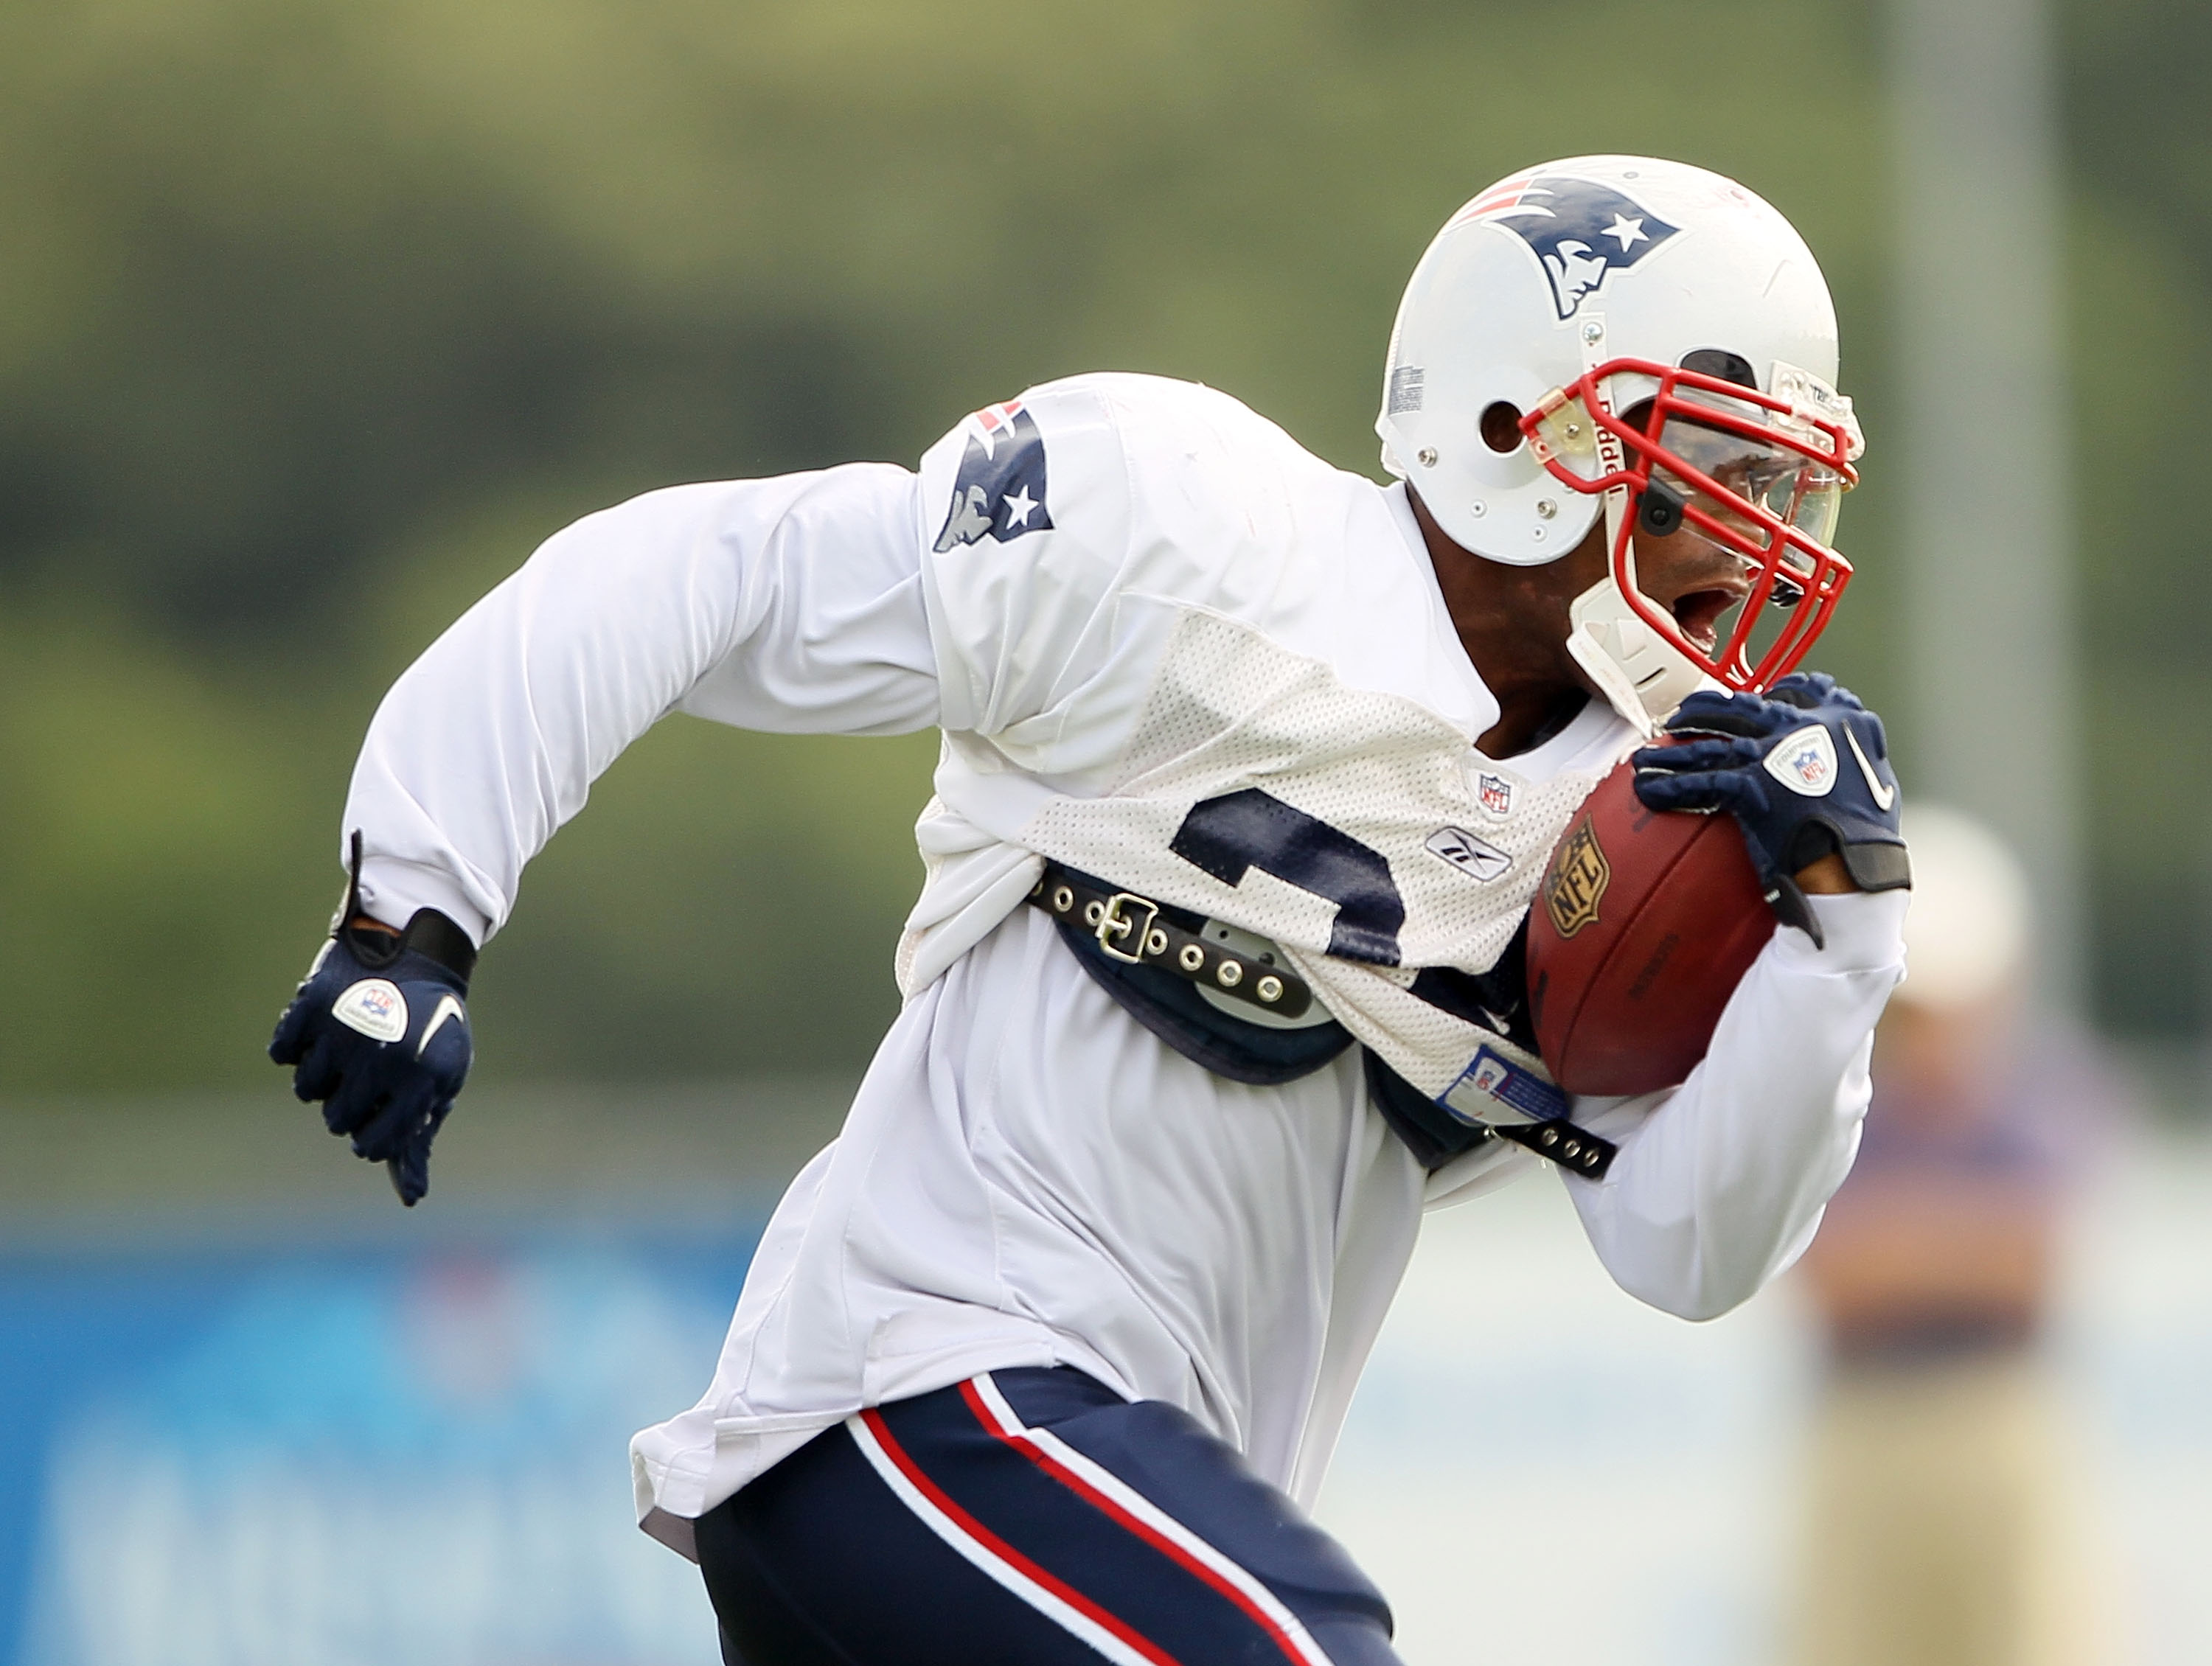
(1804, 760)
(1495, 794)
(1001, 485)
(1577, 229)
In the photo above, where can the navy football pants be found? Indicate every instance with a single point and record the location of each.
(1030, 1518)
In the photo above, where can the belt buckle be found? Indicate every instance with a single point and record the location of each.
(1115, 923)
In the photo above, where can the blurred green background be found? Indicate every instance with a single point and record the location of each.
(316, 317)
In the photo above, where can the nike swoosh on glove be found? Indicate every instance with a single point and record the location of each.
(379, 1032)
(1805, 771)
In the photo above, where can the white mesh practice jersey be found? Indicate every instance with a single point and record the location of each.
(1219, 692)
(1151, 628)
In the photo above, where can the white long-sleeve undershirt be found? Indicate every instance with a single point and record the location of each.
(792, 605)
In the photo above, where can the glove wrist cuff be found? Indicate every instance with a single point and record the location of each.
(428, 934)
(1879, 865)
(431, 934)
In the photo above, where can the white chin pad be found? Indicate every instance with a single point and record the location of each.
(1643, 675)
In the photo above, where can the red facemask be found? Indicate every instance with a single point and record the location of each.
(1759, 476)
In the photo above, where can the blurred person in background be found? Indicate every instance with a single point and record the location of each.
(1942, 1526)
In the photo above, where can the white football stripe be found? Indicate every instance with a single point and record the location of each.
(1105, 1482)
(991, 1564)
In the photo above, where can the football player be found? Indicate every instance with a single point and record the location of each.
(1250, 767)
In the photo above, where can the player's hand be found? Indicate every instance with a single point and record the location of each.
(1805, 771)
(379, 1032)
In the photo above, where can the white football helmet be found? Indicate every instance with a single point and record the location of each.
(1570, 295)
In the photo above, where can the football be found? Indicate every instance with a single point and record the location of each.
(1643, 923)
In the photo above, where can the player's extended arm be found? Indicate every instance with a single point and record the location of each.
(1720, 1185)
(792, 604)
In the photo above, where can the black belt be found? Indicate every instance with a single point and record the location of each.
(1135, 929)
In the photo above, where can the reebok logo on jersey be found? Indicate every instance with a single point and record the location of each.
(1579, 231)
(1468, 853)
(1001, 489)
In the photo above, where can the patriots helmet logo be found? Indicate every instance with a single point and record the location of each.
(1000, 490)
(1578, 230)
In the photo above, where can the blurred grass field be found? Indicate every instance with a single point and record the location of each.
(315, 317)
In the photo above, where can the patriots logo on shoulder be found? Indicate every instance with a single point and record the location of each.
(1001, 489)
(1578, 230)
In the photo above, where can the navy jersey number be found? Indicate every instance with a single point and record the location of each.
(1230, 835)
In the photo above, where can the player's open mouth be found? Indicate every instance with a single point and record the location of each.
(1698, 613)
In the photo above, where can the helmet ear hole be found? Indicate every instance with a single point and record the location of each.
(1719, 361)
(1501, 426)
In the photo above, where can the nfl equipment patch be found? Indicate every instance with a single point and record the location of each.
(1495, 1090)
(1805, 762)
(1001, 489)
(375, 1008)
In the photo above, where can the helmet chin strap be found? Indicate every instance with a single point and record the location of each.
(1642, 674)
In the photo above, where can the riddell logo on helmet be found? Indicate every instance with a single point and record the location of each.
(1579, 231)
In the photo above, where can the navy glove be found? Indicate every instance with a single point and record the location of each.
(1805, 771)
(379, 1032)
